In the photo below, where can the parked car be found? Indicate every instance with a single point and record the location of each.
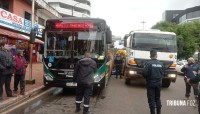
(180, 65)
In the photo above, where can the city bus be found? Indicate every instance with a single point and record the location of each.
(66, 40)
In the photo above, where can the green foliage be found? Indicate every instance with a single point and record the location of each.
(188, 36)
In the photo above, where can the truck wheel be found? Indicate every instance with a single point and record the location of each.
(166, 83)
(127, 81)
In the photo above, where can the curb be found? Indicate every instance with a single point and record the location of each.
(5, 105)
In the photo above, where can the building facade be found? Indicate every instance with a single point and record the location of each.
(15, 24)
(74, 8)
(187, 10)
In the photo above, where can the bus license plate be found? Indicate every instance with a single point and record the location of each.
(71, 84)
(69, 73)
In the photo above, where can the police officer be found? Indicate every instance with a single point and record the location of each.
(83, 76)
(153, 72)
(196, 80)
(118, 65)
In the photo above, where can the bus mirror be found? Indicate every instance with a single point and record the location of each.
(199, 56)
(108, 36)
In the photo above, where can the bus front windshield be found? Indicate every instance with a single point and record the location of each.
(73, 44)
(160, 42)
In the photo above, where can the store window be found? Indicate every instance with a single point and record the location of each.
(4, 4)
(41, 21)
(27, 16)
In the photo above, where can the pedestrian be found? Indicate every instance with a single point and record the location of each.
(196, 80)
(7, 65)
(83, 76)
(118, 65)
(189, 72)
(20, 71)
(153, 73)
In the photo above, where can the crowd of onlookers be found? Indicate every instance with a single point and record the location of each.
(12, 63)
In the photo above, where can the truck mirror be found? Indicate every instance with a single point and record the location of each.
(108, 36)
(125, 40)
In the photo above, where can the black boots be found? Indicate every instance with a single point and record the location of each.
(152, 110)
(78, 107)
(158, 110)
(85, 110)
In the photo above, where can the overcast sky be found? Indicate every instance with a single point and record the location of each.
(126, 15)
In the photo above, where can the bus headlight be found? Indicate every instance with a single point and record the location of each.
(48, 78)
(172, 75)
(97, 78)
(132, 72)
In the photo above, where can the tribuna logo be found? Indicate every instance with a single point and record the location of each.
(181, 102)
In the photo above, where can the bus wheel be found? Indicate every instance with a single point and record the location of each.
(166, 83)
(127, 81)
(103, 83)
(44, 82)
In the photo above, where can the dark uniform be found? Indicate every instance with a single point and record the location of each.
(7, 65)
(153, 72)
(196, 80)
(188, 71)
(118, 65)
(83, 75)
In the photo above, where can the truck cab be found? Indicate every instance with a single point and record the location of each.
(138, 45)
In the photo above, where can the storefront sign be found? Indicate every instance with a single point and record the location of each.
(18, 23)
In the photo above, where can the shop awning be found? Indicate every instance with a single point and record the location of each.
(18, 35)
(11, 34)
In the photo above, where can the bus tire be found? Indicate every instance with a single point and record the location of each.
(44, 82)
(103, 85)
(166, 83)
(127, 81)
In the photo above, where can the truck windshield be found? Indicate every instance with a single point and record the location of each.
(67, 44)
(160, 42)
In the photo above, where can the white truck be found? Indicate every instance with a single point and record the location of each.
(138, 45)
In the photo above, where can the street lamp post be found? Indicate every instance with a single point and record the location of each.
(31, 81)
(143, 22)
(73, 8)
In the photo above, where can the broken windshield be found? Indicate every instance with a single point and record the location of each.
(74, 44)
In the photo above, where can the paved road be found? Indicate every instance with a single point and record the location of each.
(117, 98)
(123, 99)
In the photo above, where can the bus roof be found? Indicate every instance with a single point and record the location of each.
(77, 19)
(153, 31)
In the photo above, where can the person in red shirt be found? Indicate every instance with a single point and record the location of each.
(20, 71)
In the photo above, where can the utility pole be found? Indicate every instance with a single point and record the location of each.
(32, 40)
(143, 22)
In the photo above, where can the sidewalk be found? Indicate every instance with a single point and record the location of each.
(37, 74)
